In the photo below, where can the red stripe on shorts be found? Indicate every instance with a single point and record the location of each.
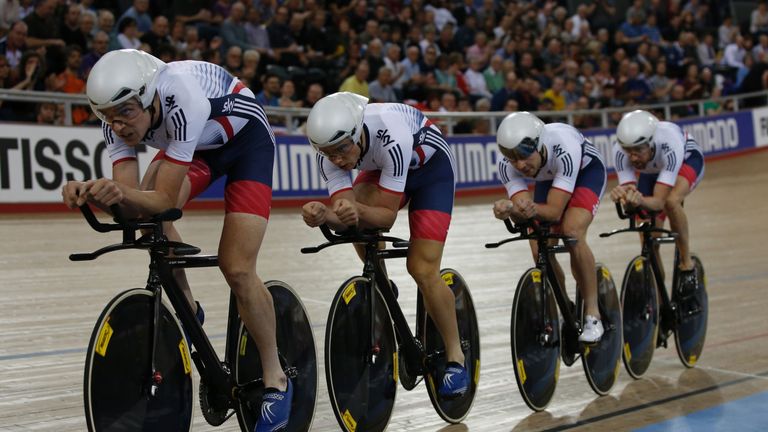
(687, 172)
(429, 224)
(248, 196)
(585, 198)
(199, 176)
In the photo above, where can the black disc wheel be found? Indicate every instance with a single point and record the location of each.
(602, 361)
(456, 409)
(119, 389)
(296, 350)
(692, 313)
(640, 311)
(535, 340)
(360, 358)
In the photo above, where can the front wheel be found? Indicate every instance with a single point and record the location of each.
(360, 358)
(640, 309)
(692, 313)
(602, 361)
(296, 350)
(535, 340)
(118, 382)
(452, 410)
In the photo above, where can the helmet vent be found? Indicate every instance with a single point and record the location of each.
(125, 92)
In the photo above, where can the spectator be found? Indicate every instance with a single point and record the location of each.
(581, 20)
(71, 82)
(128, 34)
(314, 93)
(707, 53)
(46, 113)
(195, 46)
(158, 34)
(758, 19)
(288, 95)
(284, 47)
(87, 24)
(681, 110)
(270, 94)
(571, 93)
(476, 80)
(445, 42)
(428, 63)
(507, 92)
(256, 33)
(480, 50)
(375, 57)
(760, 50)
(13, 45)
(381, 89)
(660, 84)
(233, 28)
(139, 11)
(30, 72)
(726, 33)
(630, 34)
(733, 56)
(494, 76)
(482, 126)
(555, 94)
(43, 31)
(70, 28)
(233, 61)
(465, 35)
(99, 48)
(392, 61)
(250, 70)
(10, 12)
(636, 87)
(358, 82)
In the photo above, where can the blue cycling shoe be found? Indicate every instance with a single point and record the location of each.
(275, 409)
(455, 381)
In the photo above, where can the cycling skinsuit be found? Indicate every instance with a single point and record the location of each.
(210, 122)
(406, 155)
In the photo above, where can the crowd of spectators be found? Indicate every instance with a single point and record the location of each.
(439, 55)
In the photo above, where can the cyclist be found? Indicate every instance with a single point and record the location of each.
(206, 124)
(402, 157)
(670, 164)
(570, 178)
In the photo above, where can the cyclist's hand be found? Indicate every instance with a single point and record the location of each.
(314, 213)
(633, 198)
(70, 193)
(526, 209)
(619, 194)
(346, 211)
(503, 209)
(102, 191)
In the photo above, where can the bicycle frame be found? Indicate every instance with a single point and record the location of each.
(414, 355)
(542, 235)
(648, 250)
(165, 257)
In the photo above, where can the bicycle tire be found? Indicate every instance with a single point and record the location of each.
(118, 369)
(691, 328)
(453, 410)
(536, 361)
(296, 349)
(602, 361)
(362, 380)
(640, 310)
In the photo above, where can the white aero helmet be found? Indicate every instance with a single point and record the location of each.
(334, 118)
(636, 128)
(518, 134)
(121, 75)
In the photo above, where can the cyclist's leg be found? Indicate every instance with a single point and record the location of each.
(541, 189)
(430, 190)
(581, 210)
(687, 178)
(424, 256)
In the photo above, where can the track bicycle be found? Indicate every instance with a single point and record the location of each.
(365, 355)
(539, 339)
(650, 314)
(138, 367)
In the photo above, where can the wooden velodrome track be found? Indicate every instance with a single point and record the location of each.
(49, 305)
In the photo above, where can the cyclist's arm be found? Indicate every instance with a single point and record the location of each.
(553, 209)
(170, 177)
(656, 202)
(381, 215)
